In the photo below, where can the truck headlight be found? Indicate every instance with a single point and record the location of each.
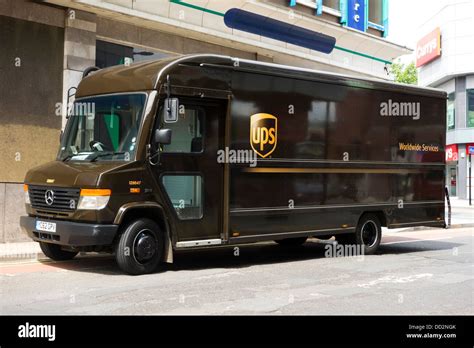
(93, 199)
(27, 195)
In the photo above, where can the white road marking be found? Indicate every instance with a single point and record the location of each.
(394, 280)
(219, 275)
(318, 295)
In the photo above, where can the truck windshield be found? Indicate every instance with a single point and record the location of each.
(103, 128)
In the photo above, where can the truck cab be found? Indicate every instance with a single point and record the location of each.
(131, 170)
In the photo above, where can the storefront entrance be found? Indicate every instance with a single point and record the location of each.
(451, 178)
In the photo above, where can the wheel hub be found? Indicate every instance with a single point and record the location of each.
(145, 246)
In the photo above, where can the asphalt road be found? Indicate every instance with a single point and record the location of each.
(418, 272)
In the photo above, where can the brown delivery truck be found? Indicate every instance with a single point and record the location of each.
(204, 150)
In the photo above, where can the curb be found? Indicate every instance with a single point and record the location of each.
(425, 228)
(15, 257)
(20, 251)
(462, 225)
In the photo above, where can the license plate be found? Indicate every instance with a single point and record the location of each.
(46, 226)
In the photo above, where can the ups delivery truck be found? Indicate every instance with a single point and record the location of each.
(204, 150)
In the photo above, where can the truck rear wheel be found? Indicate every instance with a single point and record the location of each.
(54, 252)
(291, 242)
(140, 247)
(368, 233)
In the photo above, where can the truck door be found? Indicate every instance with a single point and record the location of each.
(189, 173)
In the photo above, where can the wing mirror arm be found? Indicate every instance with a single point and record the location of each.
(163, 136)
(160, 137)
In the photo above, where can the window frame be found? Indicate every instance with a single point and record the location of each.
(453, 94)
(469, 93)
(376, 25)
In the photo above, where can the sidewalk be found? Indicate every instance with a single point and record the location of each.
(20, 251)
(462, 214)
(461, 203)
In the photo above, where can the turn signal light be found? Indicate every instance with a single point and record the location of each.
(27, 195)
(96, 192)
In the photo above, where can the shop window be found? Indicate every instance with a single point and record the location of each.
(451, 116)
(470, 108)
(376, 11)
(334, 4)
(110, 54)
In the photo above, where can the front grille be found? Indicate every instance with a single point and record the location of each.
(52, 214)
(64, 199)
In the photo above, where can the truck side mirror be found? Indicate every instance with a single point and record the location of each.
(171, 110)
(162, 136)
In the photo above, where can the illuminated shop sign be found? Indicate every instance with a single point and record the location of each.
(470, 149)
(428, 48)
(451, 153)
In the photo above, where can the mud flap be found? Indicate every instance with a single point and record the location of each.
(168, 252)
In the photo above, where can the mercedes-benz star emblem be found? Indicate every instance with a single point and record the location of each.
(49, 197)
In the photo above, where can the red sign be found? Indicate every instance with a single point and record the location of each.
(470, 149)
(451, 153)
(428, 48)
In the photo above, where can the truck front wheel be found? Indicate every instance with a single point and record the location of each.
(140, 247)
(54, 252)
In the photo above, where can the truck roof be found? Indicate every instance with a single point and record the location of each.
(149, 75)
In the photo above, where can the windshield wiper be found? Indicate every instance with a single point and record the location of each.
(67, 158)
(104, 154)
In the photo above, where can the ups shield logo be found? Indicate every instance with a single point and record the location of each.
(263, 134)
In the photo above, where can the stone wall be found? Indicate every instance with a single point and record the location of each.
(12, 206)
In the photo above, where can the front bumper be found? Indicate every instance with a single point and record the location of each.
(70, 233)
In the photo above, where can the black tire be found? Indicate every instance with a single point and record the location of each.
(140, 247)
(368, 233)
(291, 242)
(54, 252)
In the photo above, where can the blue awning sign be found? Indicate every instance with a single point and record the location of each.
(356, 14)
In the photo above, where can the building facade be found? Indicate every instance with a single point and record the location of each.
(47, 44)
(445, 57)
